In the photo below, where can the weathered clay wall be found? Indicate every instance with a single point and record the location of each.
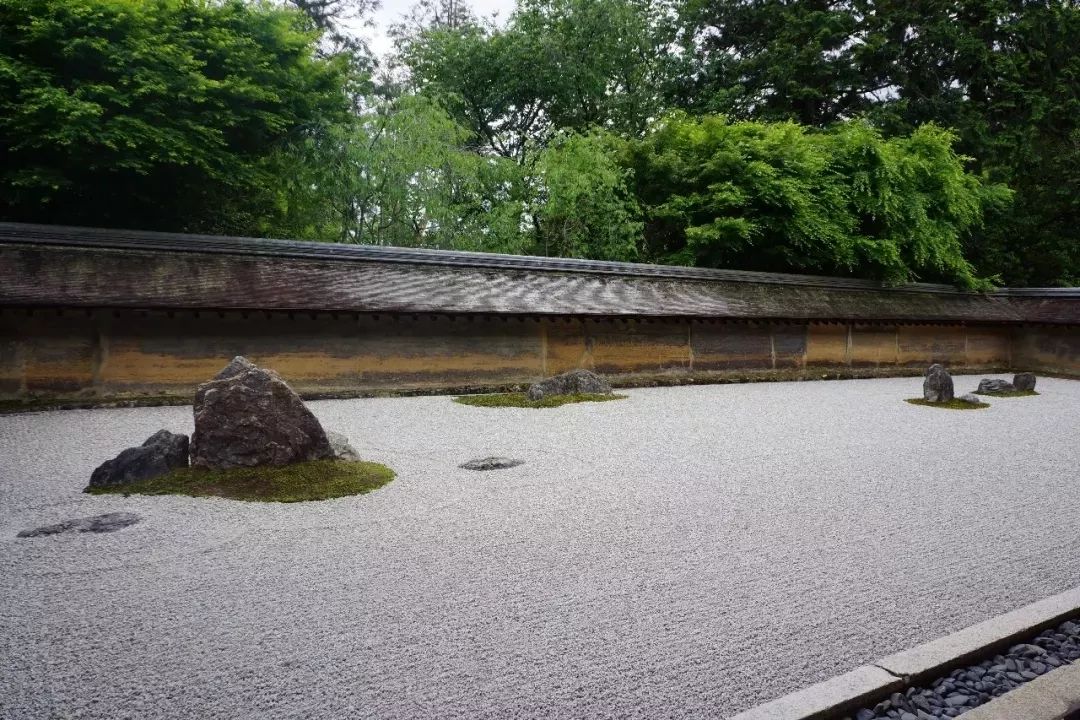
(1051, 349)
(71, 355)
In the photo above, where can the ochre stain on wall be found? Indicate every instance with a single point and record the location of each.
(941, 344)
(723, 346)
(107, 354)
(873, 345)
(827, 345)
(1051, 349)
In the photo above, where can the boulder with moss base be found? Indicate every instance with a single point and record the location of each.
(575, 382)
(938, 384)
(248, 416)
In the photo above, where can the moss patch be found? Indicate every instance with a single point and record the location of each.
(316, 480)
(1008, 393)
(519, 400)
(953, 404)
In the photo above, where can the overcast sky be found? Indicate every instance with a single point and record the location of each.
(392, 10)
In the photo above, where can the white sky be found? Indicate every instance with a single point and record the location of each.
(392, 10)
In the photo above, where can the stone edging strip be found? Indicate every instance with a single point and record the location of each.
(869, 683)
(1054, 696)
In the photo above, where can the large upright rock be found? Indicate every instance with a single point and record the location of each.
(937, 385)
(569, 383)
(1024, 381)
(163, 451)
(248, 416)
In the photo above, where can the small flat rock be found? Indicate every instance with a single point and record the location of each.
(491, 463)
(339, 445)
(992, 385)
(569, 383)
(109, 522)
(971, 399)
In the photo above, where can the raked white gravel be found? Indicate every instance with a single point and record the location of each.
(685, 553)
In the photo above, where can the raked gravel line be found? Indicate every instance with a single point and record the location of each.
(688, 552)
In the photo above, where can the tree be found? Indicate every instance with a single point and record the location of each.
(399, 175)
(779, 197)
(156, 115)
(772, 60)
(514, 87)
(1003, 74)
(586, 206)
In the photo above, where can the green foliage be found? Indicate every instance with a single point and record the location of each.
(155, 114)
(953, 404)
(770, 60)
(777, 197)
(588, 209)
(1004, 75)
(513, 87)
(300, 482)
(399, 174)
(1009, 393)
(519, 400)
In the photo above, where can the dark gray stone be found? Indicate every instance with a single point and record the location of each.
(163, 451)
(938, 384)
(1024, 381)
(491, 463)
(971, 399)
(340, 447)
(988, 385)
(109, 522)
(248, 416)
(569, 383)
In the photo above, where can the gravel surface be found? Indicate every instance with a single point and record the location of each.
(688, 552)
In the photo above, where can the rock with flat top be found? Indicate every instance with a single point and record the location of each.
(248, 416)
(988, 385)
(970, 398)
(569, 383)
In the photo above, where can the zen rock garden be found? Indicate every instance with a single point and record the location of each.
(569, 387)
(938, 389)
(253, 438)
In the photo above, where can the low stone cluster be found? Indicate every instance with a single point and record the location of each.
(246, 416)
(569, 383)
(971, 686)
(1021, 381)
(938, 385)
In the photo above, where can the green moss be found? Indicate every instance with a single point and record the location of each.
(519, 400)
(316, 480)
(1008, 393)
(953, 404)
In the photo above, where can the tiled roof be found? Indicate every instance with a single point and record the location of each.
(79, 267)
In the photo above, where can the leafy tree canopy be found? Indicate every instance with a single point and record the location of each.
(779, 197)
(153, 113)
